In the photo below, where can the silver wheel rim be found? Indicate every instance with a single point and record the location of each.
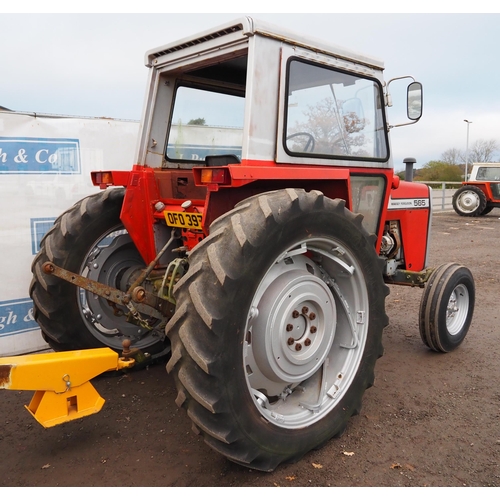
(111, 261)
(468, 201)
(306, 333)
(457, 310)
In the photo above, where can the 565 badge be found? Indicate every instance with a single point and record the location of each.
(187, 220)
(406, 203)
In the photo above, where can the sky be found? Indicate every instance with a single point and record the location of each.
(90, 61)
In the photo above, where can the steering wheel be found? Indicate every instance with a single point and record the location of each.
(310, 140)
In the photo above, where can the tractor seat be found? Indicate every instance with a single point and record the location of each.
(220, 160)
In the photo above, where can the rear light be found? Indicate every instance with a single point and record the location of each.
(103, 178)
(215, 176)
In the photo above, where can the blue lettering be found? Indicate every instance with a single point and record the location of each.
(39, 156)
(21, 156)
(16, 316)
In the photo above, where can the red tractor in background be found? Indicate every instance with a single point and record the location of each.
(253, 240)
(480, 193)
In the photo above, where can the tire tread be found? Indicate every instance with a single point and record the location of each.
(212, 278)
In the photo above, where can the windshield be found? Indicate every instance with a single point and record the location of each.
(205, 122)
(488, 174)
(333, 114)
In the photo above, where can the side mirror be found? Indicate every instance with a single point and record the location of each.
(414, 101)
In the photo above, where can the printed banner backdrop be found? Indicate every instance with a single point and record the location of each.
(45, 165)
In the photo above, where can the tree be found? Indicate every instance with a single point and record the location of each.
(452, 156)
(197, 121)
(482, 151)
(333, 132)
(401, 174)
(451, 167)
(439, 171)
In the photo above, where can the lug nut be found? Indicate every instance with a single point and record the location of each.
(295, 314)
(305, 310)
(313, 329)
(298, 347)
(289, 327)
(290, 341)
(307, 342)
(312, 316)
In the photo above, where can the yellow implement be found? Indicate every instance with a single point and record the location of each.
(61, 381)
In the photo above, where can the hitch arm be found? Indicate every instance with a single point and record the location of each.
(61, 381)
(104, 291)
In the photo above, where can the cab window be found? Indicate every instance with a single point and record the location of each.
(332, 113)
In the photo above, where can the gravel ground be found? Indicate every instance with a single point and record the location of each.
(430, 419)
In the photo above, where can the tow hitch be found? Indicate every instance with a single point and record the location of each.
(61, 380)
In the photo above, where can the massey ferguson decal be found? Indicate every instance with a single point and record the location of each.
(407, 203)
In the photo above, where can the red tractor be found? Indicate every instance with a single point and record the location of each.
(253, 241)
(479, 194)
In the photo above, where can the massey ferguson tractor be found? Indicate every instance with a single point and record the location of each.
(251, 246)
(480, 193)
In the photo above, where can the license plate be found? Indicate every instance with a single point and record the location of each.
(187, 220)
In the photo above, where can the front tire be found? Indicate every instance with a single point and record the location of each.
(469, 201)
(278, 327)
(89, 239)
(446, 307)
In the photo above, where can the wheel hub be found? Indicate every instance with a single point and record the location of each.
(303, 328)
(296, 321)
(456, 310)
(112, 261)
(296, 324)
(305, 332)
(469, 201)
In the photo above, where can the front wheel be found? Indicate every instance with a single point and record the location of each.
(469, 201)
(278, 327)
(446, 307)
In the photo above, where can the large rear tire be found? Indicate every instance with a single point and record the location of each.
(278, 327)
(469, 201)
(89, 239)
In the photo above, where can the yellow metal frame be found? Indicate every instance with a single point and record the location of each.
(61, 381)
